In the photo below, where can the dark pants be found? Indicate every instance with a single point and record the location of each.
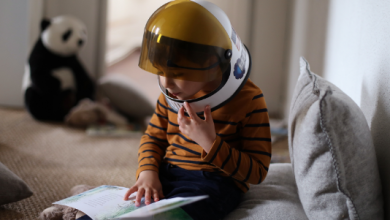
(224, 195)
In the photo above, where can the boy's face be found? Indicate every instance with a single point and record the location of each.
(181, 89)
(172, 80)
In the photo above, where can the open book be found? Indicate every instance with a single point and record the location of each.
(106, 202)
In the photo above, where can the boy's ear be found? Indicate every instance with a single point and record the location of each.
(44, 24)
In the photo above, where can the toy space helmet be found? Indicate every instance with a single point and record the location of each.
(195, 39)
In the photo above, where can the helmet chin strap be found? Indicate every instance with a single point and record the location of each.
(238, 75)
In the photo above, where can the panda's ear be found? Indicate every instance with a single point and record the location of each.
(45, 23)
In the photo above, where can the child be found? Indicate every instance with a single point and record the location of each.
(224, 143)
(210, 132)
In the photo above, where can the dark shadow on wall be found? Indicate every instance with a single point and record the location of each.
(376, 107)
(380, 128)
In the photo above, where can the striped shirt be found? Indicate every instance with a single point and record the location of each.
(241, 150)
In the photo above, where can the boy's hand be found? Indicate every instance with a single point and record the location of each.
(149, 184)
(201, 131)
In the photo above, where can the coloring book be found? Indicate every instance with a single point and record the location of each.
(106, 202)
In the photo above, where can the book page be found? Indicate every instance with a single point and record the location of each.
(106, 202)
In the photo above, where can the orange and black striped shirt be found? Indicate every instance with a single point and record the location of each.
(241, 150)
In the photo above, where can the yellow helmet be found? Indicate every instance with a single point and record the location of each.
(195, 36)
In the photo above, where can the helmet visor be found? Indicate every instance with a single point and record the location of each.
(182, 60)
(194, 48)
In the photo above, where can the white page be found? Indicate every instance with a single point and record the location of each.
(106, 202)
(162, 206)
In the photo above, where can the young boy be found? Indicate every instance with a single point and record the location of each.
(210, 133)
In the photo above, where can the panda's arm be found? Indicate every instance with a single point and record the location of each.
(83, 81)
(42, 79)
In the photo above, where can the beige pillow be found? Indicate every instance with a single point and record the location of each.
(12, 188)
(332, 152)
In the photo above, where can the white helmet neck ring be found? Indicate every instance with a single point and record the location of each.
(240, 62)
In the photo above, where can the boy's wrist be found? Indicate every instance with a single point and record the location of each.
(206, 156)
(208, 144)
(148, 174)
(148, 171)
(142, 169)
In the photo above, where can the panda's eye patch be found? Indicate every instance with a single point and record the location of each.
(66, 35)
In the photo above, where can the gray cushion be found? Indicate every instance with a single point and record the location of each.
(125, 95)
(332, 152)
(275, 198)
(12, 188)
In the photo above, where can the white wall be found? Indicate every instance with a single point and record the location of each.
(346, 55)
(19, 24)
(358, 62)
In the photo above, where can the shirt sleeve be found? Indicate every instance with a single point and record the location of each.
(249, 163)
(154, 142)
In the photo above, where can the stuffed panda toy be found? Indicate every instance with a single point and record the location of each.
(54, 79)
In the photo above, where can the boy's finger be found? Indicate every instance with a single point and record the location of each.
(156, 197)
(139, 196)
(181, 118)
(191, 112)
(207, 114)
(129, 192)
(180, 114)
(147, 196)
